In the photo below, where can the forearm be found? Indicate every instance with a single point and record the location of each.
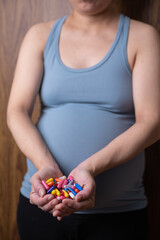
(29, 140)
(123, 148)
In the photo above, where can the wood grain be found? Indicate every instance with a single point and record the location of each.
(16, 17)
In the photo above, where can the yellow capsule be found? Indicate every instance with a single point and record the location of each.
(49, 180)
(65, 193)
(53, 192)
(58, 192)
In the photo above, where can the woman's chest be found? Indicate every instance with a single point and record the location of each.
(80, 51)
(83, 51)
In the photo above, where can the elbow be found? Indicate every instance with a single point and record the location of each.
(158, 130)
(155, 130)
(10, 117)
(150, 129)
(14, 116)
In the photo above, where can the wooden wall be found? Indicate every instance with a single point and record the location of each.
(16, 17)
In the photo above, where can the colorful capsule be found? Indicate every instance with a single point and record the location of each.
(71, 195)
(45, 185)
(78, 186)
(71, 178)
(63, 177)
(50, 184)
(76, 190)
(69, 184)
(62, 187)
(62, 197)
(70, 189)
(49, 180)
(53, 192)
(59, 186)
(65, 193)
(64, 183)
(51, 189)
(58, 192)
(57, 179)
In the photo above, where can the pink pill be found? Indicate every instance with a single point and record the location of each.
(71, 178)
(64, 183)
(45, 185)
(59, 186)
(62, 197)
(73, 187)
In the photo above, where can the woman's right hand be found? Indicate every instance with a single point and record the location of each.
(38, 195)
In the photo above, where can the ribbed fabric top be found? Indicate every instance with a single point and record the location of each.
(84, 110)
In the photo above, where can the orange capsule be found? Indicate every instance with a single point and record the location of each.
(50, 184)
(76, 190)
(57, 179)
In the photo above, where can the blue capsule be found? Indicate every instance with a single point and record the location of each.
(51, 189)
(78, 186)
(70, 189)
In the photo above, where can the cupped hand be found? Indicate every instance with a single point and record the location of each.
(38, 194)
(84, 199)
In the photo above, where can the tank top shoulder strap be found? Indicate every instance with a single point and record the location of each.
(125, 33)
(53, 34)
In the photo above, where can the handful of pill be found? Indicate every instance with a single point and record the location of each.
(62, 187)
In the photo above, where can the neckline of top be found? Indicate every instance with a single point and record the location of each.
(109, 52)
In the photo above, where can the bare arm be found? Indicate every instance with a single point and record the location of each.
(25, 87)
(146, 94)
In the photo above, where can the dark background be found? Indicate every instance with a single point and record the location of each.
(16, 17)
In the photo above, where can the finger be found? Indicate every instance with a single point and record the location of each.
(37, 185)
(71, 204)
(62, 210)
(75, 206)
(49, 207)
(70, 207)
(37, 200)
(85, 193)
(59, 218)
(60, 207)
(61, 214)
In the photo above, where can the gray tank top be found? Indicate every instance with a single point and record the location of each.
(85, 109)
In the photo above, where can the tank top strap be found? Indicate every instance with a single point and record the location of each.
(53, 34)
(125, 33)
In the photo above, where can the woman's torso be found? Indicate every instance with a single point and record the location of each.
(86, 104)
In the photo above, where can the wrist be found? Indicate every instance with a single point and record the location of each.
(87, 165)
(52, 165)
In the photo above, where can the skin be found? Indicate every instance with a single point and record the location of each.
(89, 31)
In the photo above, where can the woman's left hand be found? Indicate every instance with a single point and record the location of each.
(84, 199)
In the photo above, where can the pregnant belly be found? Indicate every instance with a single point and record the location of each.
(73, 132)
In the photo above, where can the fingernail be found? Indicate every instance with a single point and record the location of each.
(41, 193)
(50, 197)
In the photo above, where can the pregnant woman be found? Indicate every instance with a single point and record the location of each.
(97, 74)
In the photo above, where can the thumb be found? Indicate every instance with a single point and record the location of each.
(37, 186)
(84, 194)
